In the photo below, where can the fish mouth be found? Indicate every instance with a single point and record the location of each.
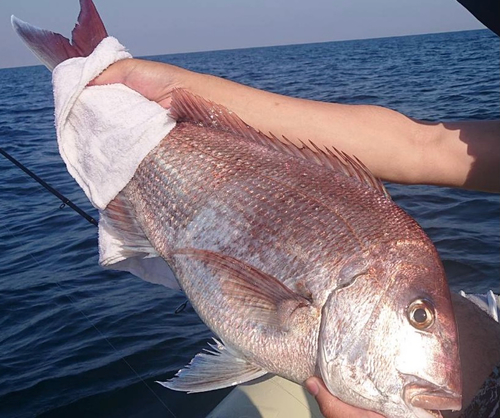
(427, 399)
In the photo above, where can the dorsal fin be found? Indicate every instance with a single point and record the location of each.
(190, 108)
(52, 48)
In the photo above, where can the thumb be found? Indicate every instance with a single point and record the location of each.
(325, 399)
(332, 407)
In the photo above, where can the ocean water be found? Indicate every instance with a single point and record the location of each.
(79, 341)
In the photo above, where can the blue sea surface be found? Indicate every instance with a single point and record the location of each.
(79, 341)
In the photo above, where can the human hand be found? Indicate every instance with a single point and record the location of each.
(332, 407)
(153, 80)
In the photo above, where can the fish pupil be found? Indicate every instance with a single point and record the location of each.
(420, 315)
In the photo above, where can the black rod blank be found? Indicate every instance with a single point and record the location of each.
(61, 197)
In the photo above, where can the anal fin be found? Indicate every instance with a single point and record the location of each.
(214, 369)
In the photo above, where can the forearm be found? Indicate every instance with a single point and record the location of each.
(470, 151)
(395, 148)
(358, 130)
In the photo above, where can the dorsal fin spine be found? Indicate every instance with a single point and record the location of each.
(191, 108)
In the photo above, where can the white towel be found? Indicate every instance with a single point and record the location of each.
(104, 132)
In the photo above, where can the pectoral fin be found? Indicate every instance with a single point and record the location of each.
(265, 300)
(218, 368)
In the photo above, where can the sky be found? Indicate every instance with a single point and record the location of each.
(156, 27)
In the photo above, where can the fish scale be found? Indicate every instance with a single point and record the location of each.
(225, 194)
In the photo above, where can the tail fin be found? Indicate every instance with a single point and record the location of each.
(52, 48)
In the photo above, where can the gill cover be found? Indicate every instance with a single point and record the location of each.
(388, 339)
(345, 349)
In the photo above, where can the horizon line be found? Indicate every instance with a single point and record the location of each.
(276, 45)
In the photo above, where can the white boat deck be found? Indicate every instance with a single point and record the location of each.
(270, 398)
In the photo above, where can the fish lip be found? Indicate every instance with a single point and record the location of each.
(429, 399)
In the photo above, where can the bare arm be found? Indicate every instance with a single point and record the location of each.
(395, 148)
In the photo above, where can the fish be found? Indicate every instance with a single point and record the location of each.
(295, 256)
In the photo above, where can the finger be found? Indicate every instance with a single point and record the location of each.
(332, 407)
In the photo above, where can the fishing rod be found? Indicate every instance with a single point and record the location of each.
(61, 197)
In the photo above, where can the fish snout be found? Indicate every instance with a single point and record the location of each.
(433, 398)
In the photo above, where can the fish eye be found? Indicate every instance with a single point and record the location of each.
(421, 314)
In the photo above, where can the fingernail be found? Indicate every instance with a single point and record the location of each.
(312, 387)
